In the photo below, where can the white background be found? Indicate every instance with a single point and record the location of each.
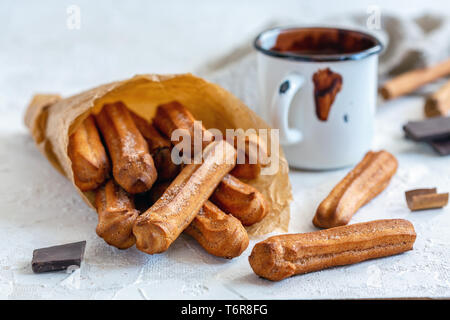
(38, 208)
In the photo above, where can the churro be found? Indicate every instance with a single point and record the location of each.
(283, 256)
(160, 149)
(240, 200)
(116, 215)
(370, 177)
(218, 233)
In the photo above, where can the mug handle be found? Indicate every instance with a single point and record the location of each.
(281, 103)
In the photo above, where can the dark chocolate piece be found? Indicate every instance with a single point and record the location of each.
(441, 146)
(58, 257)
(428, 130)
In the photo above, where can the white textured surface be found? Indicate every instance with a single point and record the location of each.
(39, 208)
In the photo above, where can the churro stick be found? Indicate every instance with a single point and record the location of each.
(90, 164)
(412, 80)
(283, 256)
(159, 226)
(232, 196)
(173, 115)
(218, 233)
(240, 200)
(159, 147)
(371, 176)
(133, 167)
(255, 156)
(116, 215)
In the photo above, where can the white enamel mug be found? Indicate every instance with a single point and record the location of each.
(313, 136)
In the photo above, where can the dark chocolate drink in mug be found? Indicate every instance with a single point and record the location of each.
(318, 87)
(321, 41)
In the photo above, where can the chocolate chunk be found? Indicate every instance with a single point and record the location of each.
(58, 257)
(429, 129)
(422, 199)
(441, 146)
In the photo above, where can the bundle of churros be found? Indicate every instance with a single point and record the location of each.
(132, 151)
(116, 143)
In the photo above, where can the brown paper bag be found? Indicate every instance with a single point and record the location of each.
(52, 119)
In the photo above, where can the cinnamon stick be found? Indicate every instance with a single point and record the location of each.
(412, 80)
